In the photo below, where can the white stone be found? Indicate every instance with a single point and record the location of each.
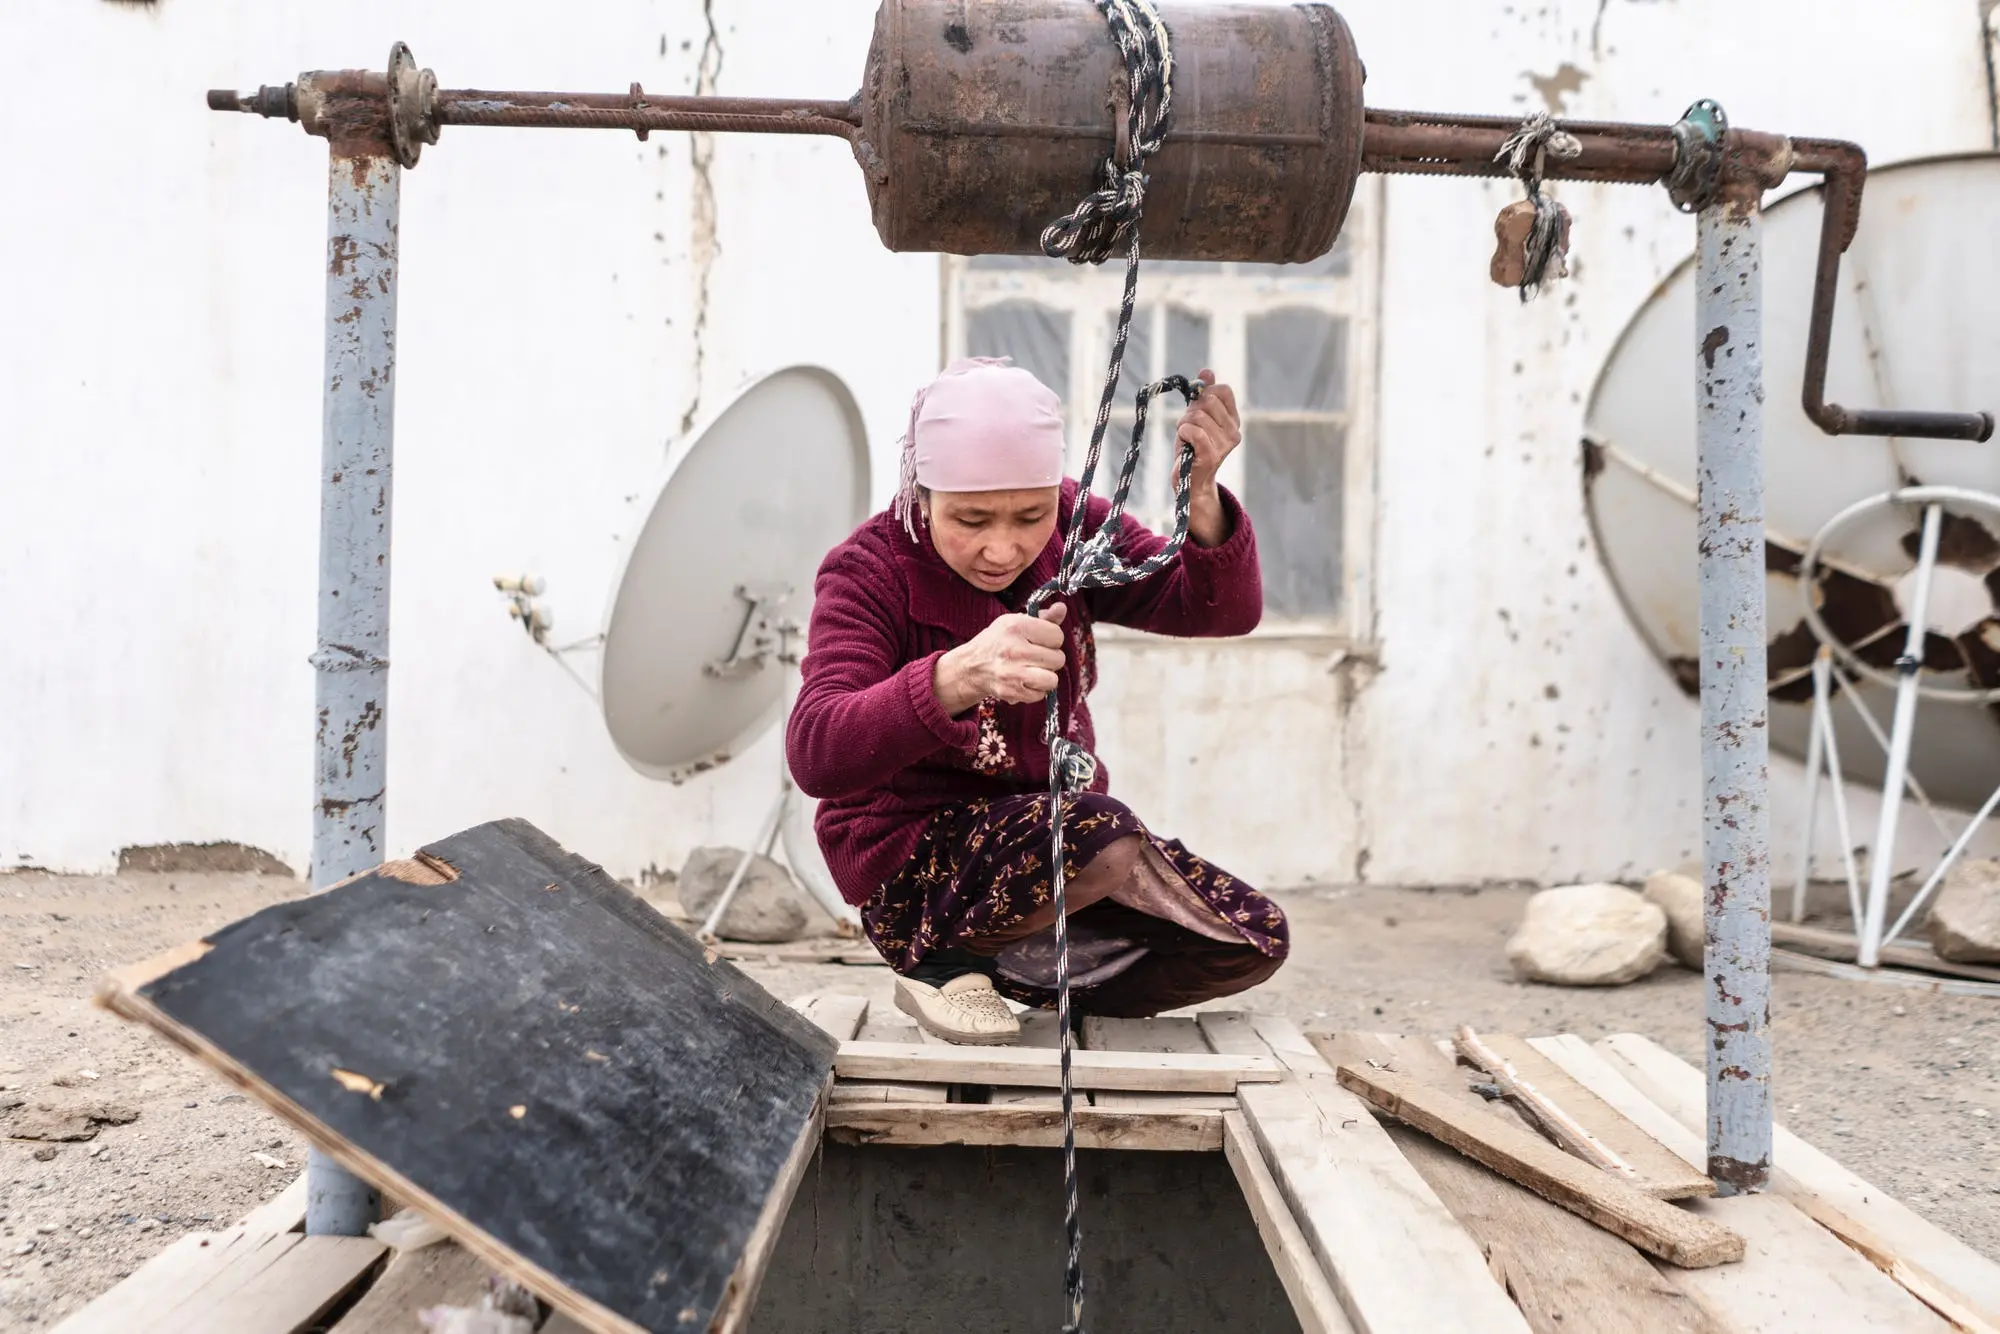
(767, 905)
(1588, 936)
(1678, 895)
(1965, 918)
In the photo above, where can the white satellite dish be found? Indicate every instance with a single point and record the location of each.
(1915, 326)
(711, 607)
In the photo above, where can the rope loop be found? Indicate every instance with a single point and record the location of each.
(1107, 220)
(1526, 153)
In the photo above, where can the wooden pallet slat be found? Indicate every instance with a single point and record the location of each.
(838, 1016)
(1179, 1129)
(1144, 1072)
(1795, 1277)
(1291, 1254)
(1563, 1271)
(1652, 1225)
(885, 1023)
(1658, 1171)
(159, 1283)
(1397, 1260)
(445, 1274)
(1038, 1029)
(283, 1212)
(1938, 1268)
(1169, 1034)
(287, 1295)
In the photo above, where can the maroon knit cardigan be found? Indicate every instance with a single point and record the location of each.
(867, 735)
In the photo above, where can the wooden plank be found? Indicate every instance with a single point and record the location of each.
(283, 1212)
(1842, 947)
(1906, 979)
(1942, 1271)
(1566, 1273)
(1795, 1276)
(234, 1282)
(1101, 1033)
(1038, 1029)
(1148, 1072)
(877, 1091)
(1658, 1171)
(1397, 1260)
(1654, 1226)
(1159, 1034)
(665, 1096)
(442, 1275)
(838, 1016)
(285, 1296)
(157, 1284)
(1291, 1255)
(885, 1023)
(1180, 1130)
(744, 1284)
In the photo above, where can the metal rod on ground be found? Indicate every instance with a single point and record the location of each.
(1944, 865)
(352, 658)
(1823, 725)
(1815, 760)
(1734, 735)
(1902, 727)
(766, 838)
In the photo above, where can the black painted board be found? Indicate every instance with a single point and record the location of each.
(557, 1064)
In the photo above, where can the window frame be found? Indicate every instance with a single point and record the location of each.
(1229, 299)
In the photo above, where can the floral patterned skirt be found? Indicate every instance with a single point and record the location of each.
(982, 868)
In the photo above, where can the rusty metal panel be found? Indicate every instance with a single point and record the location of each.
(984, 120)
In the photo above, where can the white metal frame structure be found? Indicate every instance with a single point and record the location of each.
(1823, 754)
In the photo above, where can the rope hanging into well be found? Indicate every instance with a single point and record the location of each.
(1526, 153)
(1105, 221)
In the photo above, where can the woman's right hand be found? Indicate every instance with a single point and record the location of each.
(1014, 660)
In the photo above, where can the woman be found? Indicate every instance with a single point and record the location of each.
(919, 724)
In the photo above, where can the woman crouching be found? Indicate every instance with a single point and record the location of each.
(919, 724)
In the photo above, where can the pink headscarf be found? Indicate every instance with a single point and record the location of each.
(982, 425)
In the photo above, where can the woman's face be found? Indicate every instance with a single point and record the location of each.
(989, 537)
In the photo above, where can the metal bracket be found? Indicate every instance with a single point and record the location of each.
(761, 637)
(1699, 136)
(412, 106)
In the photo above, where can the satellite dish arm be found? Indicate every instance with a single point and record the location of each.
(1844, 167)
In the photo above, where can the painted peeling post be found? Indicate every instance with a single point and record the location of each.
(351, 661)
(1736, 824)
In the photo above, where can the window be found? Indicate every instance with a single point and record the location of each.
(1295, 340)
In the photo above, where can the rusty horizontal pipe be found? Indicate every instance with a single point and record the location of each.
(1420, 143)
(645, 111)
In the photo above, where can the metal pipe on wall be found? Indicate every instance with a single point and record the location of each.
(351, 662)
(1736, 822)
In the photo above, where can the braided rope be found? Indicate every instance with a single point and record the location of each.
(1108, 218)
(1526, 152)
(1106, 221)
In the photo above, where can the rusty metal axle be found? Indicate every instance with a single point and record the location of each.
(940, 201)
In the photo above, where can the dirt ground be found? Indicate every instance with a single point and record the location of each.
(1902, 1086)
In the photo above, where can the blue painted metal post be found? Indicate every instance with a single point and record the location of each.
(352, 659)
(1736, 820)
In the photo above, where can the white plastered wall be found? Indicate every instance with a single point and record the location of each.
(1496, 717)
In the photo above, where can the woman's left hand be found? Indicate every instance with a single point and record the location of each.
(1213, 427)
